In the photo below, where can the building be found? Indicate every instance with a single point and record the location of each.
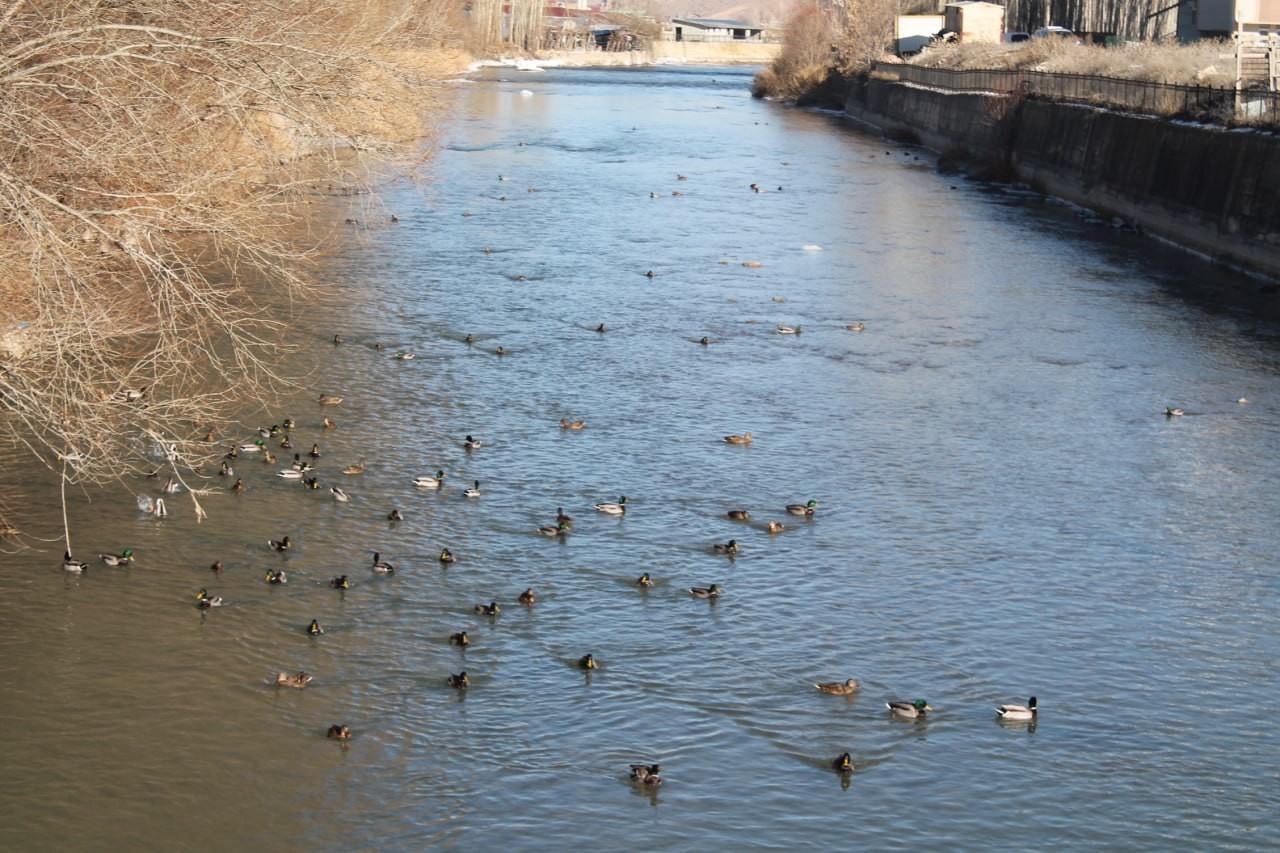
(715, 29)
(975, 21)
(1198, 19)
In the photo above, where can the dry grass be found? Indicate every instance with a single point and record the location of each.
(1205, 63)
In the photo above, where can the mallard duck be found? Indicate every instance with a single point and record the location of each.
(446, 556)
(490, 609)
(788, 330)
(704, 341)
(314, 628)
(300, 464)
(802, 509)
(738, 514)
(238, 485)
(614, 509)
(124, 558)
(381, 567)
(775, 527)
(171, 487)
(205, 600)
(280, 544)
(327, 400)
(472, 443)
(290, 423)
(459, 639)
(217, 566)
(337, 732)
(430, 482)
(339, 494)
(1171, 411)
(225, 469)
(340, 582)
(395, 515)
(587, 662)
(601, 328)
(730, 547)
(152, 507)
(252, 447)
(403, 355)
(910, 710)
(473, 492)
(565, 423)
(314, 452)
(712, 591)
(268, 458)
(843, 763)
(646, 774)
(311, 482)
(299, 679)
(471, 339)
(132, 395)
(1019, 712)
(839, 688)
(856, 327)
(459, 681)
(645, 581)
(357, 468)
(528, 597)
(561, 518)
(500, 351)
(328, 423)
(286, 443)
(233, 452)
(290, 474)
(277, 577)
(554, 530)
(76, 566)
(337, 339)
(745, 438)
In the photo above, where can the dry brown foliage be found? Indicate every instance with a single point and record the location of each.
(156, 156)
(806, 56)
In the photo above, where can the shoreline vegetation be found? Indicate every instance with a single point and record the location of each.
(159, 160)
(823, 48)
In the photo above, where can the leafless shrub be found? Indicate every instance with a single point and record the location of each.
(806, 55)
(156, 156)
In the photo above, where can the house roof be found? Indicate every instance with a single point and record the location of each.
(717, 24)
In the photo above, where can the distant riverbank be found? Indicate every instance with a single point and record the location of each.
(656, 53)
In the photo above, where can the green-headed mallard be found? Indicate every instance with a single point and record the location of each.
(380, 567)
(403, 355)
(528, 597)
(490, 609)
(910, 710)
(124, 558)
(839, 688)
(745, 438)
(587, 662)
(314, 628)
(291, 473)
(1019, 712)
(802, 509)
(459, 639)
(446, 556)
(204, 600)
(843, 763)
(561, 518)
(340, 582)
(712, 591)
(430, 482)
(614, 509)
(298, 679)
(459, 681)
(276, 577)
(730, 547)
(738, 514)
(337, 732)
(644, 581)
(281, 545)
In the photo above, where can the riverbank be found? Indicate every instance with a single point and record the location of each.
(655, 53)
(1206, 189)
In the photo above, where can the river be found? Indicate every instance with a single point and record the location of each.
(1003, 510)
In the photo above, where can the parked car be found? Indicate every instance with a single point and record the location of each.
(1015, 38)
(1054, 32)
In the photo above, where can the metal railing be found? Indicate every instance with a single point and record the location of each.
(1202, 103)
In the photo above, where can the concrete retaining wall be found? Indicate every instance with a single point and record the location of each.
(1212, 190)
(658, 52)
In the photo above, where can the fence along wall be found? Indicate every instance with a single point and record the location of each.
(1208, 189)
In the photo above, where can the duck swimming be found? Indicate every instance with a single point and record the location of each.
(300, 679)
(646, 774)
(565, 423)
(327, 400)
(459, 639)
(712, 591)
(561, 518)
(340, 582)
(473, 492)
(395, 515)
(738, 514)
(745, 438)
(204, 600)
(459, 681)
(238, 485)
(1171, 411)
(337, 732)
(554, 530)
(775, 527)
(339, 494)
(644, 581)
(490, 609)
(314, 628)
(587, 662)
(430, 482)
(380, 567)
(528, 597)
(802, 509)
(446, 556)
(843, 763)
(618, 508)
(122, 559)
(472, 443)
(1019, 712)
(357, 468)
(281, 545)
(839, 688)
(910, 710)
(277, 577)
(314, 452)
(730, 547)
(788, 330)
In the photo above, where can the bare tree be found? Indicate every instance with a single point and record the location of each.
(156, 155)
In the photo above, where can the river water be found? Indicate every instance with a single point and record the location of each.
(1003, 511)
